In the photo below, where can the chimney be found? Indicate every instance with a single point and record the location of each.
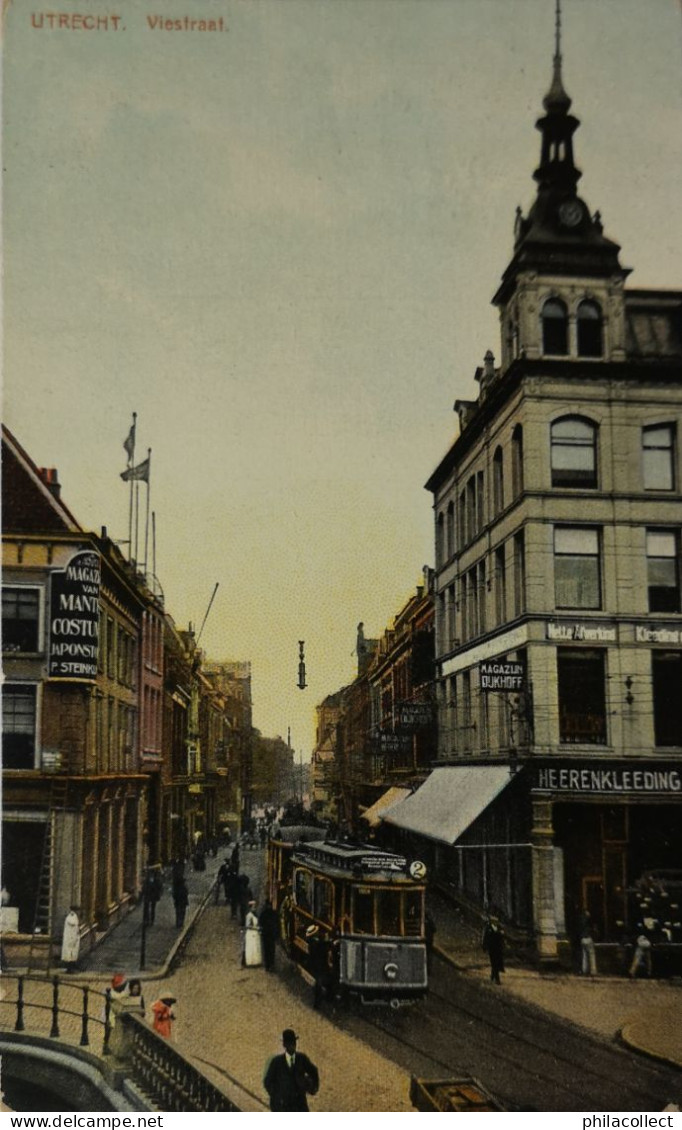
(51, 479)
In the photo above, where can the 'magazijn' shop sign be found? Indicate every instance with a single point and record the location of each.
(74, 618)
(612, 780)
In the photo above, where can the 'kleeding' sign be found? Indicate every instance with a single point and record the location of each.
(74, 618)
(501, 675)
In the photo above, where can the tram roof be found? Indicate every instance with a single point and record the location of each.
(353, 857)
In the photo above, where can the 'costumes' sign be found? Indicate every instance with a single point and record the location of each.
(74, 618)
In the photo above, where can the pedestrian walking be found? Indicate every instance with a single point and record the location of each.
(290, 1077)
(222, 879)
(245, 895)
(180, 902)
(493, 944)
(152, 890)
(234, 859)
(588, 953)
(163, 1016)
(252, 953)
(232, 892)
(319, 964)
(269, 929)
(71, 940)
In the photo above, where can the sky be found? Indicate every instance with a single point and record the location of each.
(277, 243)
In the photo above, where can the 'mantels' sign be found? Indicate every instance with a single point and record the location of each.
(501, 675)
(74, 618)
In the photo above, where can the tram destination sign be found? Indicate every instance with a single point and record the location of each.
(74, 618)
(379, 862)
(502, 675)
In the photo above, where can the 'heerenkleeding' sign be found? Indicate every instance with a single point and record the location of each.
(74, 618)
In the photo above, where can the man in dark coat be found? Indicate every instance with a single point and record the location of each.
(493, 943)
(319, 965)
(181, 902)
(269, 928)
(291, 1077)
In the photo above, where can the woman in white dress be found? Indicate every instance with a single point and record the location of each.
(252, 953)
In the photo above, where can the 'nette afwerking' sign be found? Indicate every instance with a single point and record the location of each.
(74, 618)
(501, 675)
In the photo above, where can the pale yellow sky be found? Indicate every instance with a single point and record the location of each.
(277, 244)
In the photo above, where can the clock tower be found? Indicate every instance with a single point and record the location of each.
(562, 293)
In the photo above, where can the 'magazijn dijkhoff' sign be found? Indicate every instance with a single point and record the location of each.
(613, 781)
(414, 715)
(501, 675)
(74, 618)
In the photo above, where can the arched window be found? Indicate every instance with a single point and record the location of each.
(498, 482)
(517, 460)
(554, 328)
(574, 452)
(590, 326)
(440, 539)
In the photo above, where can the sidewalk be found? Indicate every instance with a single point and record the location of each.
(644, 1014)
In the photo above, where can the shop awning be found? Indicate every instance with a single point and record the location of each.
(374, 814)
(449, 801)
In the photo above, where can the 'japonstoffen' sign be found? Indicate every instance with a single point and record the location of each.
(74, 618)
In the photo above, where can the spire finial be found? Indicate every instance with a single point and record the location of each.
(557, 98)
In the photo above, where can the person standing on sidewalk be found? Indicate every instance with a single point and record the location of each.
(164, 1016)
(269, 929)
(180, 902)
(252, 953)
(493, 944)
(71, 940)
(291, 1077)
(588, 953)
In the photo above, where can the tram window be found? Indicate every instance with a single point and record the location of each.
(363, 915)
(388, 912)
(323, 899)
(413, 913)
(303, 889)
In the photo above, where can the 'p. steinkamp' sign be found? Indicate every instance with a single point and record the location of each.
(501, 675)
(74, 618)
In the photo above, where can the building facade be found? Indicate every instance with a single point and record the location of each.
(558, 514)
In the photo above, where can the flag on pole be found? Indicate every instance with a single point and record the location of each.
(140, 473)
(129, 442)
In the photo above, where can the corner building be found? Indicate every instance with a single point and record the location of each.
(558, 511)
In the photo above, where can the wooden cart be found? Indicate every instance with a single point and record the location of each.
(465, 1096)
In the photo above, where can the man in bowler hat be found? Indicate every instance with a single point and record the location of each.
(290, 1077)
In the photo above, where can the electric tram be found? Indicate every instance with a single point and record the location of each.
(368, 907)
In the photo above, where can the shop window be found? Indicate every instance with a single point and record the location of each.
(554, 328)
(590, 329)
(498, 482)
(662, 571)
(582, 696)
(658, 457)
(574, 453)
(576, 567)
(19, 705)
(666, 672)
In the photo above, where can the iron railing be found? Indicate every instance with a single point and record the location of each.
(59, 1009)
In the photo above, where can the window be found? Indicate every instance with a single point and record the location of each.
(481, 597)
(363, 911)
(574, 453)
(480, 501)
(19, 725)
(440, 539)
(500, 586)
(589, 327)
(666, 674)
(582, 697)
(554, 328)
(498, 482)
(323, 899)
(388, 913)
(461, 519)
(450, 530)
(662, 571)
(517, 461)
(658, 456)
(20, 619)
(471, 508)
(451, 623)
(303, 890)
(519, 574)
(576, 567)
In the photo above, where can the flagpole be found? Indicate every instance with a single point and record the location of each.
(154, 544)
(137, 516)
(131, 463)
(146, 523)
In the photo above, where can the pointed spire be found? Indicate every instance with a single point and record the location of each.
(557, 100)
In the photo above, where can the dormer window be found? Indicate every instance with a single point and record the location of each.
(590, 329)
(574, 452)
(554, 328)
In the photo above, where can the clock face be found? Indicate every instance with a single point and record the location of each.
(570, 213)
